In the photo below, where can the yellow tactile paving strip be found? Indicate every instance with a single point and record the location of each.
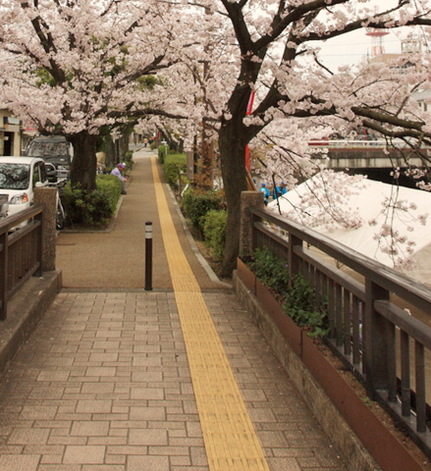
(229, 436)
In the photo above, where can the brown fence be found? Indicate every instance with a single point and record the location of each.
(20, 252)
(386, 347)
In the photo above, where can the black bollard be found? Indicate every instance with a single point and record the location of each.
(148, 256)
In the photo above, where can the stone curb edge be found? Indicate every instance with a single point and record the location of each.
(25, 309)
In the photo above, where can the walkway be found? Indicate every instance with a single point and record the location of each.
(115, 259)
(116, 378)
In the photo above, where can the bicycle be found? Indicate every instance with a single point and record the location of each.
(60, 217)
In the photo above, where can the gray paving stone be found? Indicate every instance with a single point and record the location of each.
(19, 462)
(88, 454)
(139, 463)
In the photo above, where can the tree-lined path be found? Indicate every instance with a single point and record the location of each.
(115, 258)
(116, 378)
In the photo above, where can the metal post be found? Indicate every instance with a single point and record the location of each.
(148, 256)
(376, 358)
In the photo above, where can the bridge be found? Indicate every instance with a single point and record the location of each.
(364, 154)
(119, 377)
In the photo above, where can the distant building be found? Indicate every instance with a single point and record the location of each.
(10, 134)
(409, 46)
(423, 97)
(14, 134)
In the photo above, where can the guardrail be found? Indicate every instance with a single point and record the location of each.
(354, 144)
(348, 144)
(20, 252)
(369, 326)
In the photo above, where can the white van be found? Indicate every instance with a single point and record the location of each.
(18, 178)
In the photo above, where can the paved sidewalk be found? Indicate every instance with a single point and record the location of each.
(104, 384)
(116, 259)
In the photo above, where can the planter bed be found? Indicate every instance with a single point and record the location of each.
(343, 411)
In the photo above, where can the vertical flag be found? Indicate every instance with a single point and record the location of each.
(248, 112)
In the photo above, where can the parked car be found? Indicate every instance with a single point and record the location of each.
(18, 178)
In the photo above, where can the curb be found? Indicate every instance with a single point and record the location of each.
(25, 310)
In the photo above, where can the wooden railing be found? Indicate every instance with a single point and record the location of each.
(20, 252)
(370, 327)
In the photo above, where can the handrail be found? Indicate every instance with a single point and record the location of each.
(371, 333)
(416, 329)
(355, 143)
(20, 252)
(7, 224)
(413, 291)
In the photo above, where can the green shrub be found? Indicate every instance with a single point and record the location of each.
(215, 222)
(94, 208)
(299, 299)
(174, 163)
(300, 303)
(196, 205)
(162, 151)
(110, 187)
(271, 271)
(128, 160)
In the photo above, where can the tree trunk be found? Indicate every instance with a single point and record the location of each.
(111, 155)
(83, 168)
(123, 146)
(232, 145)
(205, 178)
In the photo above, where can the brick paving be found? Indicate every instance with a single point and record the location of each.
(103, 384)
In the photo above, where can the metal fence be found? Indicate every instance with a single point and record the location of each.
(358, 143)
(20, 252)
(388, 349)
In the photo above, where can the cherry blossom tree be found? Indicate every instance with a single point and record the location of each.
(72, 67)
(273, 52)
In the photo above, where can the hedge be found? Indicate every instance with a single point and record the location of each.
(215, 222)
(174, 163)
(95, 208)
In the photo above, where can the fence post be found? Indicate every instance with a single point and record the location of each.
(375, 331)
(3, 275)
(294, 260)
(47, 196)
(248, 199)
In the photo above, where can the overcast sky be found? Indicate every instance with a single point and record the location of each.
(355, 46)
